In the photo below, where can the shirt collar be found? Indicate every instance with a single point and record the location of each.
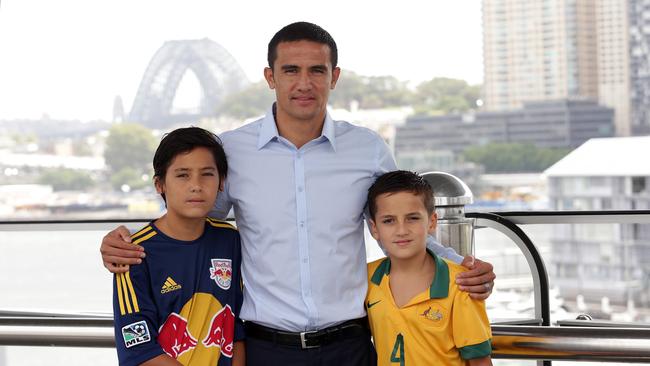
(439, 287)
(269, 130)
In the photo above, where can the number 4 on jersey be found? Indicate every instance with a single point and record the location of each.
(398, 350)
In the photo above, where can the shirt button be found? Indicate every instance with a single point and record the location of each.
(300, 189)
(304, 260)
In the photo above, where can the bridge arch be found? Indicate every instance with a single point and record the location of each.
(217, 71)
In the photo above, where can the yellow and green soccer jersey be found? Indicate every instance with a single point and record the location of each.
(440, 326)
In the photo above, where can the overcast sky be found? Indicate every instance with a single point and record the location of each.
(70, 58)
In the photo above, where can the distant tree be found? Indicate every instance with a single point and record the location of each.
(445, 95)
(250, 102)
(129, 145)
(66, 179)
(513, 157)
(128, 177)
(369, 91)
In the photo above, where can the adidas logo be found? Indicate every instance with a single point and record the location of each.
(169, 286)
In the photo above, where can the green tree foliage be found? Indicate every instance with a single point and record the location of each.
(130, 177)
(369, 91)
(437, 96)
(513, 158)
(129, 145)
(66, 179)
(445, 95)
(250, 102)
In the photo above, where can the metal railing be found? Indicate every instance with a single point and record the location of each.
(533, 340)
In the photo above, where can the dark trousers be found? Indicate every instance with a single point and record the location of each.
(357, 351)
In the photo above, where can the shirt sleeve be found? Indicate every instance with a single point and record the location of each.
(240, 334)
(222, 205)
(384, 163)
(135, 317)
(446, 252)
(470, 326)
(385, 160)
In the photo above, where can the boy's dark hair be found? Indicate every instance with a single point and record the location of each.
(400, 181)
(184, 140)
(302, 31)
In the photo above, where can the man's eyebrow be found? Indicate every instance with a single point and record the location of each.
(289, 67)
(318, 67)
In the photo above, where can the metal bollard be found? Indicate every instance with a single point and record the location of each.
(450, 196)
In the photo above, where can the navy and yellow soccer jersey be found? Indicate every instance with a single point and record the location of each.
(439, 326)
(183, 299)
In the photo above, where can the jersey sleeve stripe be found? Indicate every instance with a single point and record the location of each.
(126, 295)
(134, 298)
(148, 236)
(480, 350)
(141, 232)
(118, 279)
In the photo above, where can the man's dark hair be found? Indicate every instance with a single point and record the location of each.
(184, 140)
(400, 181)
(302, 31)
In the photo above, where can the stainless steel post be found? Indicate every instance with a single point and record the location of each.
(450, 196)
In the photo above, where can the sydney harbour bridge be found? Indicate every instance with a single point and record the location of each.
(217, 71)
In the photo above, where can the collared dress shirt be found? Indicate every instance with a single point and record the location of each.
(300, 214)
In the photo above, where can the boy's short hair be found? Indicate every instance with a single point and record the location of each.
(301, 31)
(400, 181)
(184, 140)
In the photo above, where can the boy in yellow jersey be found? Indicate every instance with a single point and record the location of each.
(180, 306)
(417, 315)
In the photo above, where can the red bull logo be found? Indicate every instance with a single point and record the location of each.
(202, 318)
(174, 337)
(221, 272)
(222, 331)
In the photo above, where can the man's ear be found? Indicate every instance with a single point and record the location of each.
(335, 77)
(433, 223)
(268, 76)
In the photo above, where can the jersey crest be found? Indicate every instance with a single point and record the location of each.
(221, 272)
(433, 315)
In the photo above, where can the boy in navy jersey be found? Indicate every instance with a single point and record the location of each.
(181, 305)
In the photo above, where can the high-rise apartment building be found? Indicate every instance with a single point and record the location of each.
(538, 50)
(613, 54)
(549, 49)
(639, 40)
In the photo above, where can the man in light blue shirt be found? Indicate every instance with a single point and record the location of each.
(298, 183)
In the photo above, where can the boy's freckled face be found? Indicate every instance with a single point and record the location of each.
(191, 184)
(401, 224)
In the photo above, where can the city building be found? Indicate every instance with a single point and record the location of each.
(596, 260)
(538, 50)
(550, 49)
(639, 40)
(556, 124)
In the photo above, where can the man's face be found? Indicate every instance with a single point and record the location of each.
(401, 224)
(191, 184)
(302, 77)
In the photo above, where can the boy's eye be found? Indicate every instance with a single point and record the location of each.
(182, 175)
(386, 221)
(414, 218)
(208, 174)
